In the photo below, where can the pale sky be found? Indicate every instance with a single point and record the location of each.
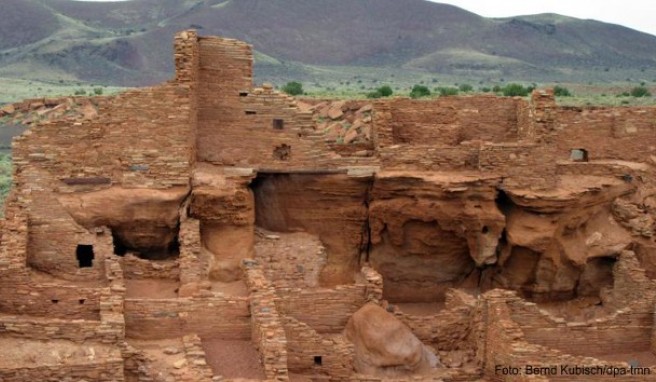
(636, 14)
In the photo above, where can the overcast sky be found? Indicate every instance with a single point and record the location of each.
(636, 14)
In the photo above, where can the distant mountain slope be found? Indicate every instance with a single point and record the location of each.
(24, 22)
(129, 43)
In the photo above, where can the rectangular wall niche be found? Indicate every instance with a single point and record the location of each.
(278, 124)
(84, 254)
(579, 155)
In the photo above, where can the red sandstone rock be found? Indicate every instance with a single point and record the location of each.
(8, 109)
(385, 347)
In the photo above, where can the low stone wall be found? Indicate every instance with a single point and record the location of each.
(209, 317)
(430, 157)
(198, 369)
(190, 264)
(507, 346)
(449, 329)
(45, 329)
(325, 310)
(308, 352)
(99, 371)
(268, 333)
(51, 300)
(136, 268)
(626, 331)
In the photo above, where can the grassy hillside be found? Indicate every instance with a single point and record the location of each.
(129, 43)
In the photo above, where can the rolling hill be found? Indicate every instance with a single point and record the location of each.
(129, 43)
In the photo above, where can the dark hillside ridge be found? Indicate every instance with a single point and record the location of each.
(127, 43)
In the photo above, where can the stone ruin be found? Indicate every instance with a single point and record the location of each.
(206, 230)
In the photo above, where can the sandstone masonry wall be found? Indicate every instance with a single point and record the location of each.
(451, 120)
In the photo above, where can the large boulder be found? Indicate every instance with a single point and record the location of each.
(385, 347)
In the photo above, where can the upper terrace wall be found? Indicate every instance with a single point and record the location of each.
(235, 124)
(140, 138)
(619, 133)
(245, 127)
(451, 120)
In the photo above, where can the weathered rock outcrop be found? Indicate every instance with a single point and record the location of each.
(226, 209)
(429, 232)
(563, 243)
(330, 206)
(142, 220)
(385, 347)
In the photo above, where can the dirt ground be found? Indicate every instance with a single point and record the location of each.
(233, 359)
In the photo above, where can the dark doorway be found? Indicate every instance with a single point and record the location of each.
(84, 254)
(318, 360)
(120, 249)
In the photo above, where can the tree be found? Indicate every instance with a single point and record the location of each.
(293, 88)
(419, 91)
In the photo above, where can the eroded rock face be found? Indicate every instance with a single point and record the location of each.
(143, 220)
(225, 207)
(429, 232)
(331, 206)
(385, 347)
(563, 244)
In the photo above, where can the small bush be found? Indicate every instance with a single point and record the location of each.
(419, 91)
(496, 89)
(386, 90)
(293, 88)
(485, 89)
(383, 91)
(640, 91)
(514, 90)
(465, 88)
(80, 92)
(98, 91)
(445, 92)
(560, 91)
(374, 94)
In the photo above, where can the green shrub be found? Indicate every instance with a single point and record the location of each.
(560, 91)
(374, 94)
(80, 92)
(383, 91)
(640, 91)
(293, 88)
(445, 92)
(465, 88)
(496, 89)
(485, 89)
(386, 90)
(98, 91)
(419, 91)
(514, 90)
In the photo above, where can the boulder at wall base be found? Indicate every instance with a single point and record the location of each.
(385, 347)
